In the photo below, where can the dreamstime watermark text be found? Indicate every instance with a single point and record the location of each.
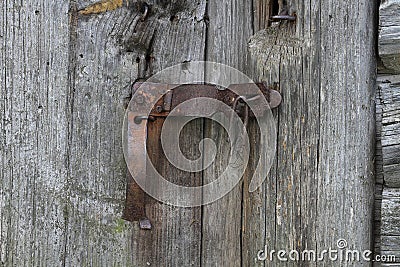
(340, 253)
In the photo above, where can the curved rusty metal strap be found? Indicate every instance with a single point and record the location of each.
(137, 132)
(135, 196)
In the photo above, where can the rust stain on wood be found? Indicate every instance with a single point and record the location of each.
(101, 7)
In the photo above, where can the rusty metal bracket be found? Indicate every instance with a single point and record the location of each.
(136, 198)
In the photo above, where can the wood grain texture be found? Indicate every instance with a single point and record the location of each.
(389, 34)
(67, 74)
(390, 231)
(390, 99)
(96, 234)
(324, 64)
(112, 50)
(226, 236)
(34, 123)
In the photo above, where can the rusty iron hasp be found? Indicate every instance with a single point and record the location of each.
(136, 198)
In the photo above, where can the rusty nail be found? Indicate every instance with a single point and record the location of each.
(283, 17)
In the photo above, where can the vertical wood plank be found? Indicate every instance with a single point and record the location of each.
(176, 237)
(326, 75)
(34, 122)
(228, 222)
(103, 72)
(114, 48)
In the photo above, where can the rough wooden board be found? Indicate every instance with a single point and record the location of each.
(96, 234)
(176, 238)
(321, 92)
(34, 122)
(106, 56)
(225, 234)
(347, 124)
(295, 180)
(390, 102)
(112, 50)
(390, 229)
(389, 36)
(390, 212)
(391, 243)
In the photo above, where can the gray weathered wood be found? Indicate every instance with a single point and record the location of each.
(389, 35)
(114, 48)
(390, 231)
(67, 71)
(388, 106)
(34, 138)
(224, 230)
(325, 139)
(390, 100)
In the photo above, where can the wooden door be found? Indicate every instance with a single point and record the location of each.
(68, 67)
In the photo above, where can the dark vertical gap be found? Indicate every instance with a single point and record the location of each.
(254, 74)
(253, 27)
(300, 248)
(318, 54)
(204, 124)
(73, 20)
(378, 190)
(242, 209)
(274, 7)
(277, 164)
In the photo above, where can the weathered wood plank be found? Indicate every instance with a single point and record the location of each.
(176, 237)
(389, 36)
(325, 139)
(63, 182)
(34, 123)
(102, 75)
(390, 212)
(113, 48)
(390, 134)
(390, 231)
(232, 229)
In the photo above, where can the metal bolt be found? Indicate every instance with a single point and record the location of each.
(145, 224)
(159, 109)
(283, 17)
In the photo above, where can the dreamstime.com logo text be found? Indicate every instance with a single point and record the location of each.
(341, 253)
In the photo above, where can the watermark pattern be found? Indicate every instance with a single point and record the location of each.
(340, 253)
(205, 73)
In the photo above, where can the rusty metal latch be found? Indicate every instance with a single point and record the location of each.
(135, 205)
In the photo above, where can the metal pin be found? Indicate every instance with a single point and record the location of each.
(139, 119)
(283, 17)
